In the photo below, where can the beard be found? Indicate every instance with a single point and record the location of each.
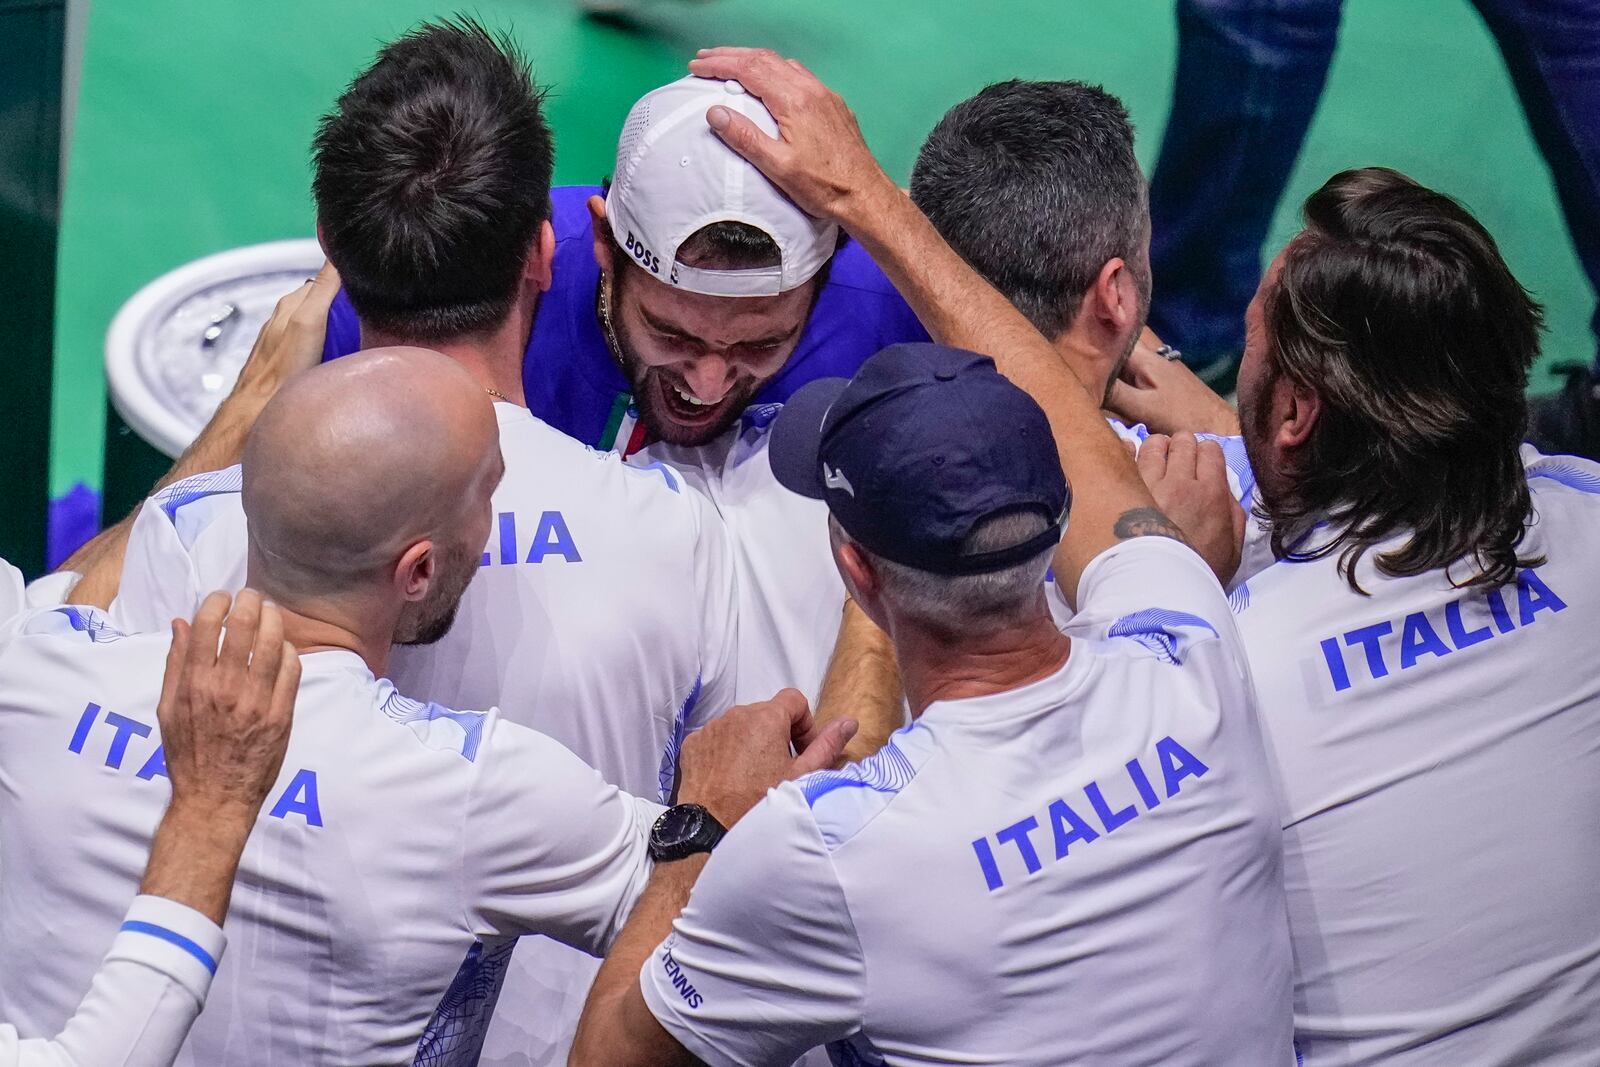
(1255, 427)
(435, 613)
(670, 418)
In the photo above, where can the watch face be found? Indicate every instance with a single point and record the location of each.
(679, 825)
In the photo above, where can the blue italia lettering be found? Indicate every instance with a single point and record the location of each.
(551, 537)
(1459, 634)
(1367, 638)
(1142, 784)
(1335, 659)
(1017, 833)
(1069, 829)
(1108, 818)
(1459, 625)
(155, 765)
(1497, 608)
(1533, 596)
(298, 798)
(991, 873)
(1417, 639)
(125, 729)
(81, 734)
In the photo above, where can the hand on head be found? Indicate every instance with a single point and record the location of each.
(1189, 481)
(227, 702)
(291, 340)
(819, 158)
(729, 764)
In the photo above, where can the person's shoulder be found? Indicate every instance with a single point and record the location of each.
(846, 802)
(569, 211)
(1570, 478)
(77, 642)
(592, 478)
(428, 726)
(854, 271)
(197, 487)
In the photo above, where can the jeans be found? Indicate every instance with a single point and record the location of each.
(1249, 76)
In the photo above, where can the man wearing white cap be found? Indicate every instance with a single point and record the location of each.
(668, 304)
(687, 289)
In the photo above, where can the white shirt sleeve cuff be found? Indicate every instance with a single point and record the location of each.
(665, 1008)
(173, 939)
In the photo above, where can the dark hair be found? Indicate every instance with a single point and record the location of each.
(1395, 307)
(1036, 185)
(432, 177)
(729, 246)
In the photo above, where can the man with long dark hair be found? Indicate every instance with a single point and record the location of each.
(1424, 650)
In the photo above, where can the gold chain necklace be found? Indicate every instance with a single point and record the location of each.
(603, 306)
(497, 394)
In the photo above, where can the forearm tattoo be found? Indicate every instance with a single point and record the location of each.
(1147, 522)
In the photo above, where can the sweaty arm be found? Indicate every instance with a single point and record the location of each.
(822, 163)
(226, 705)
(862, 683)
(290, 341)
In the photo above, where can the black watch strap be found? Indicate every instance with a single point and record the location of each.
(684, 830)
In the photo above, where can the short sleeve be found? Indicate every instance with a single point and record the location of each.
(188, 540)
(548, 847)
(1157, 591)
(753, 978)
(715, 582)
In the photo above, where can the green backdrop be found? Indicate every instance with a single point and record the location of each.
(194, 121)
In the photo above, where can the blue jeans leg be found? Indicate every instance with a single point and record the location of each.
(1552, 50)
(1250, 73)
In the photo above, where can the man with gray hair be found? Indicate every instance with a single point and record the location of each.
(982, 821)
(963, 867)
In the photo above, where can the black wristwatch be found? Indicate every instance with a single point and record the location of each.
(684, 830)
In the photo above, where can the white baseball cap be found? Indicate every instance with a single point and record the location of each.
(674, 176)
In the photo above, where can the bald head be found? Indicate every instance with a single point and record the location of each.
(357, 460)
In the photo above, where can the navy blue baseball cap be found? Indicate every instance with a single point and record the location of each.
(920, 447)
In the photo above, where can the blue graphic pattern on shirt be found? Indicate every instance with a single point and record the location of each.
(1564, 470)
(454, 1036)
(668, 775)
(404, 710)
(1153, 628)
(198, 487)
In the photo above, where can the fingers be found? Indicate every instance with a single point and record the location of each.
(1152, 462)
(171, 692)
(793, 706)
(1129, 400)
(1210, 466)
(743, 136)
(779, 83)
(207, 631)
(266, 655)
(826, 749)
(238, 639)
(317, 297)
(1183, 453)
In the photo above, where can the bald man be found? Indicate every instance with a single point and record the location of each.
(399, 833)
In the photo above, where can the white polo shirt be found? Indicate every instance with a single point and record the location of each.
(1440, 759)
(602, 616)
(398, 835)
(791, 597)
(1085, 869)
